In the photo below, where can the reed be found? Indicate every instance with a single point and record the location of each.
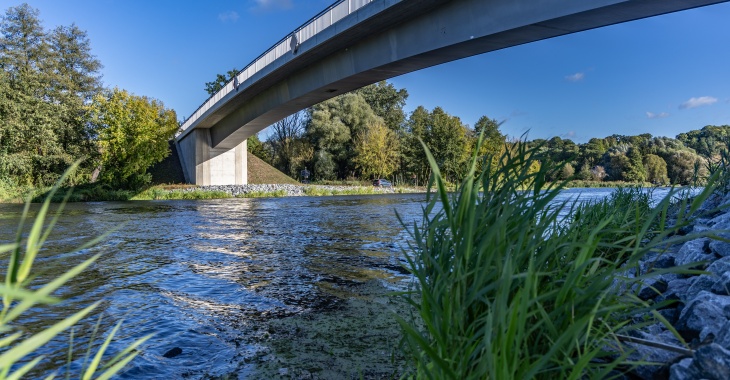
(20, 293)
(506, 287)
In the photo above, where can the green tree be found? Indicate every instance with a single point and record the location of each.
(133, 135)
(416, 164)
(48, 78)
(387, 102)
(493, 140)
(332, 126)
(220, 81)
(656, 169)
(376, 151)
(681, 167)
(446, 138)
(634, 171)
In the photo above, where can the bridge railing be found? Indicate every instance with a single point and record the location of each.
(309, 29)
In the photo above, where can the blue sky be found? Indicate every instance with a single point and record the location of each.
(663, 75)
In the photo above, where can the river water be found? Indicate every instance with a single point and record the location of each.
(216, 278)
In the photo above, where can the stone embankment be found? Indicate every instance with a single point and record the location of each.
(290, 190)
(698, 307)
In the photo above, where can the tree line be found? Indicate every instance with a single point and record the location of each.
(55, 110)
(366, 134)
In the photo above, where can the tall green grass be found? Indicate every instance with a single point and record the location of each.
(507, 287)
(20, 293)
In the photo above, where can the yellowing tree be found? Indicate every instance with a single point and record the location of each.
(376, 151)
(133, 135)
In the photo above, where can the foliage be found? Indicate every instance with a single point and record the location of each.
(20, 293)
(133, 135)
(45, 80)
(508, 288)
(376, 151)
(289, 151)
(220, 81)
(656, 169)
(386, 102)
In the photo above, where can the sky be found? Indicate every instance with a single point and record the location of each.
(662, 75)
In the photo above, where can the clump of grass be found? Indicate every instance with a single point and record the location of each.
(263, 194)
(506, 288)
(323, 191)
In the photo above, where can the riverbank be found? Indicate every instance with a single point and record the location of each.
(98, 193)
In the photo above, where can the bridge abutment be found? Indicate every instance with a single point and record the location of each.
(204, 165)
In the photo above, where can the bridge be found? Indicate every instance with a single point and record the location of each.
(354, 43)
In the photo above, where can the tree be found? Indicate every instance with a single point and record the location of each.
(376, 151)
(417, 125)
(446, 138)
(133, 135)
(386, 102)
(220, 81)
(567, 172)
(332, 126)
(257, 148)
(285, 142)
(493, 140)
(656, 169)
(681, 167)
(30, 152)
(48, 78)
(634, 171)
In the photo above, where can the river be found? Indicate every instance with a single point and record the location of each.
(286, 287)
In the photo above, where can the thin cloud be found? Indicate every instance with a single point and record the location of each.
(575, 77)
(698, 102)
(652, 115)
(231, 16)
(569, 135)
(269, 5)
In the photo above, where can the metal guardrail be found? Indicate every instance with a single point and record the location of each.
(309, 29)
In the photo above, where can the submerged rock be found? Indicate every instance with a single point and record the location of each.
(173, 352)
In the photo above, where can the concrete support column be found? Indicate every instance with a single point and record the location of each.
(204, 165)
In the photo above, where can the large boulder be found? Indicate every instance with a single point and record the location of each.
(705, 314)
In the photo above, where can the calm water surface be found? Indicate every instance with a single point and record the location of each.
(201, 275)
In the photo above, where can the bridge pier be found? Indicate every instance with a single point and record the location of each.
(204, 165)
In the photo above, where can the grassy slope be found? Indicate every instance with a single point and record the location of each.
(259, 172)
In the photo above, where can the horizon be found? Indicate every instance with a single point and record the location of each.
(663, 75)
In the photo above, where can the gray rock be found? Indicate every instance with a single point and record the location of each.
(652, 288)
(719, 266)
(677, 289)
(712, 362)
(694, 251)
(723, 337)
(704, 315)
(683, 370)
(670, 314)
(721, 248)
(652, 355)
(703, 283)
(722, 285)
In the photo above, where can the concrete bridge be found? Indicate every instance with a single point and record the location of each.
(354, 43)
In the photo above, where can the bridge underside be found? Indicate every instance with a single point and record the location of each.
(402, 37)
(205, 166)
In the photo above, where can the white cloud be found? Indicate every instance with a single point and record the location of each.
(698, 102)
(575, 77)
(652, 115)
(569, 135)
(267, 5)
(231, 16)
